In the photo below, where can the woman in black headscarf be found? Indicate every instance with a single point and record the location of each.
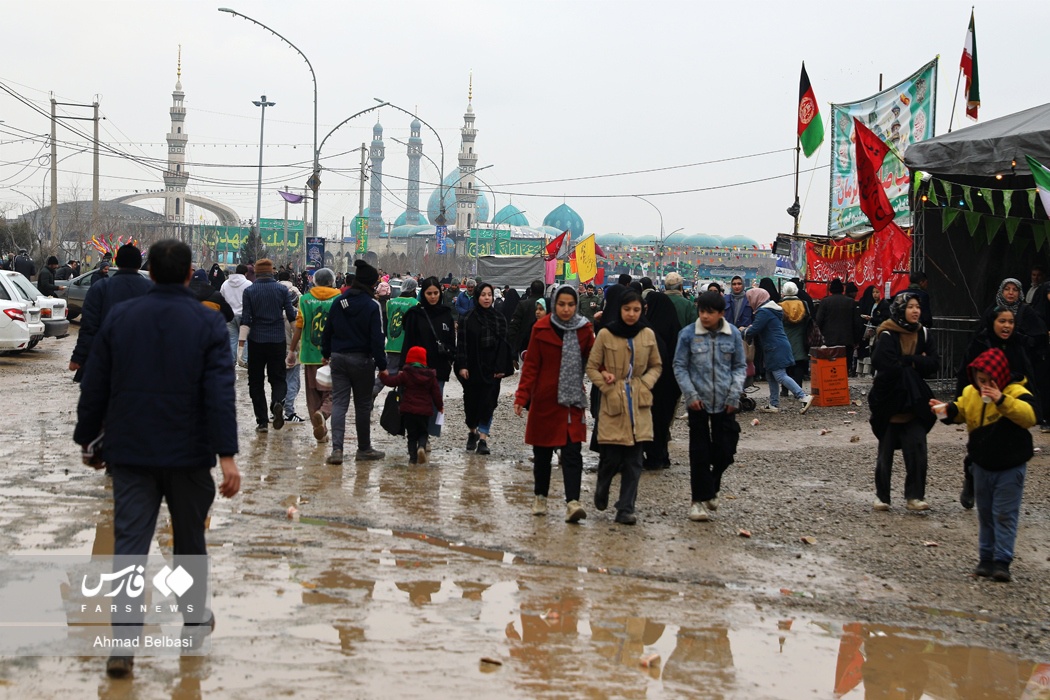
(429, 325)
(483, 358)
(662, 317)
(510, 303)
(770, 286)
(216, 277)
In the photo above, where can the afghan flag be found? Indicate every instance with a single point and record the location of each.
(810, 126)
(1042, 181)
(968, 65)
(871, 151)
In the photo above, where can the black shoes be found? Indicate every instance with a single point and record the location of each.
(119, 666)
(1001, 572)
(483, 448)
(277, 410)
(984, 569)
(601, 494)
(625, 518)
(472, 442)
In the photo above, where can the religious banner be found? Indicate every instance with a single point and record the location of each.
(362, 235)
(315, 252)
(586, 260)
(900, 116)
(880, 258)
(441, 232)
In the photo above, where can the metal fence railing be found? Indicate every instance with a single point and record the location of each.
(951, 336)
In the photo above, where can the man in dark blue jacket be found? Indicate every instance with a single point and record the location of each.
(352, 343)
(160, 383)
(264, 307)
(126, 283)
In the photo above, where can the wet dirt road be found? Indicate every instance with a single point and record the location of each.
(405, 581)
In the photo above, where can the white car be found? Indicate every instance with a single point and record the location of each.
(50, 311)
(20, 326)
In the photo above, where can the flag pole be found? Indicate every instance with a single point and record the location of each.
(795, 208)
(955, 100)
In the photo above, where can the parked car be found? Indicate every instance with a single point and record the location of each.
(51, 310)
(20, 326)
(74, 291)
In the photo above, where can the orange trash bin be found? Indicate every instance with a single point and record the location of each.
(829, 377)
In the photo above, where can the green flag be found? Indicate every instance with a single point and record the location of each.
(1042, 182)
(810, 126)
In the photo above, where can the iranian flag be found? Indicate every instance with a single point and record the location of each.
(810, 126)
(968, 66)
(1042, 181)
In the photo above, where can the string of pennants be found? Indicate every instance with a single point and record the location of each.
(702, 255)
(954, 199)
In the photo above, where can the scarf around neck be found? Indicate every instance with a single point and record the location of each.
(570, 371)
(909, 338)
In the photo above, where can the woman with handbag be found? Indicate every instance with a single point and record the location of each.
(796, 322)
(483, 359)
(430, 326)
(903, 358)
(551, 389)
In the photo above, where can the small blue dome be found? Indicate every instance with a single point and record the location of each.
(377, 131)
(644, 238)
(434, 205)
(565, 218)
(676, 238)
(612, 239)
(738, 241)
(510, 215)
(403, 231)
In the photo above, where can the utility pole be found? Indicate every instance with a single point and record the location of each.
(258, 196)
(94, 178)
(361, 192)
(54, 173)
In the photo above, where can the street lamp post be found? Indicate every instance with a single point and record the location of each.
(441, 175)
(261, 102)
(315, 180)
(661, 245)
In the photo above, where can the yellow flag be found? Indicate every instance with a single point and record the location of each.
(586, 259)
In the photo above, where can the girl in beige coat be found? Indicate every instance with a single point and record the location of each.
(624, 364)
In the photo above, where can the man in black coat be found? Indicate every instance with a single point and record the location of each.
(24, 264)
(523, 319)
(838, 319)
(264, 308)
(45, 281)
(161, 385)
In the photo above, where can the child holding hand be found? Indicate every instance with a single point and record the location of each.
(420, 395)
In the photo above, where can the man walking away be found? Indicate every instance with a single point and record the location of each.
(232, 291)
(24, 264)
(352, 343)
(306, 337)
(265, 306)
(675, 287)
(161, 384)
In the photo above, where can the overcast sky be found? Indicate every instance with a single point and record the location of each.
(564, 91)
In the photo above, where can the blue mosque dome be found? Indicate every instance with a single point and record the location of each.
(434, 206)
(564, 218)
(401, 220)
(644, 238)
(612, 239)
(738, 241)
(677, 238)
(510, 215)
(377, 131)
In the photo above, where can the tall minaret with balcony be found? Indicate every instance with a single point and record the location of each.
(415, 152)
(176, 176)
(466, 193)
(375, 202)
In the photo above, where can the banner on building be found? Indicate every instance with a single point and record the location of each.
(278, 225)
(362, 236)
(315, 252)
(900, 115)
(441, 232)
(878, 259)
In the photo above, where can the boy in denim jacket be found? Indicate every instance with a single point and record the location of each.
(710, 367)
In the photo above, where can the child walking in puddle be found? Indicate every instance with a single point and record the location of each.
(420, 394)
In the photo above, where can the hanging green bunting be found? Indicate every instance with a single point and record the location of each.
(1011, 228)
(932, 195)
(967, 194)
(948, 191)
(992, 224)
(1008, 196)
(917, 182)
(986, 195)
(1039, 234)
(973, 219)
(947, 217)
(1031, 200)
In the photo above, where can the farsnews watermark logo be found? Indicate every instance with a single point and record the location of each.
(166, 582)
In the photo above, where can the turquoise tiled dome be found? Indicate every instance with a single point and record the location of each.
(564, 218)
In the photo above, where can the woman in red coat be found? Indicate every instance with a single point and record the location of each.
(551, 388)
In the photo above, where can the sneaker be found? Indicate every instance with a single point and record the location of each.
(966, 496)
(472, 442)
(335, 458)
(881, 505)
(574, 512)
(601, 494)
(277, 409)
(119, 666)
(625, 518)
(262, 428)
(698, 514)
(483, 448)
(242, 364)
(369, 455)
(427, 448)
(984, 569)
(539, 505)
(917, 504)
(770, 409)
(712, 505)
(421, 456)
(194, 633)
(320, 429)
(1001, 572)
(807, 401)
(1044, 428)
(294, 418)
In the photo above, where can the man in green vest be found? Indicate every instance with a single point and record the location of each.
(396, 309)
(313, 313)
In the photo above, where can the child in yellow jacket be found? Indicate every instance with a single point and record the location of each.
(997, 414)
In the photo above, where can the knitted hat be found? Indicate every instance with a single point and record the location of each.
(365, 274)
(128, 256)
(416, 355)
(264, 267)
(673, 281)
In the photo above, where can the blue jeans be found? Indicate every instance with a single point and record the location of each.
(998, 498)
(234, 327)
(776, 377)
(292, 376)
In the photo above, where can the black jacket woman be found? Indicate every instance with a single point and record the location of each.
(483, 358)
(429, 325)
(662, 317)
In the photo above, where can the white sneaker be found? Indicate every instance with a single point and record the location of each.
(880, 505)
(917, 504)
(712, 505)
(698, 514)
(807, 401)
(770, 409)
(574, 512)
(539, 505)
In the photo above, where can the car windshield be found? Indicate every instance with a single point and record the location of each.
(25, 288)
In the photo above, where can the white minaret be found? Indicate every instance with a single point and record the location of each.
(176, 176)
(466, 193)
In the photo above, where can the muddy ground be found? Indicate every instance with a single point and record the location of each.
(397, 580)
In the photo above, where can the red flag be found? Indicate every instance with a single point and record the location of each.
(598, 251)
(968, 66)
(870, 153)
(554, 247)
